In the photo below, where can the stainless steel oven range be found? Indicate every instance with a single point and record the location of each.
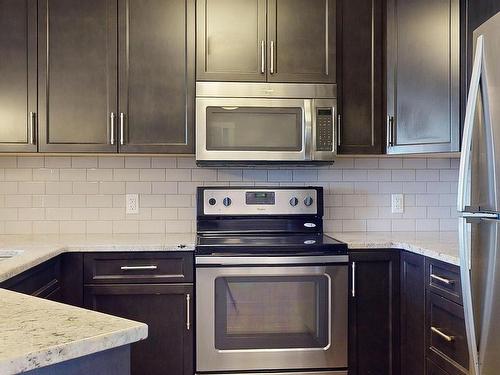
(271, 288)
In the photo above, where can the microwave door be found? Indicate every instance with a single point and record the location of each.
(253, 129)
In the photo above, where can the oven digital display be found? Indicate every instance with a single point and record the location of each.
(260, 197)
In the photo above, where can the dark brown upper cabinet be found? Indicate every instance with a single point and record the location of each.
(231, 40)
(18, 107)
(77, 75)
(157, 72)
(423, 78)
(360, 117)
(302, 41)
(273, 40)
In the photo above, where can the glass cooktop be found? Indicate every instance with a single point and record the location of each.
(269, 244)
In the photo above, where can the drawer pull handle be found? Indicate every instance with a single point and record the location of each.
(188, 307)
(442, 279)
(135, 268)
(442, 335)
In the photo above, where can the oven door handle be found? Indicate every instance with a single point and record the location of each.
(263, 261)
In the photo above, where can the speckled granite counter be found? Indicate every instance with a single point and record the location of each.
(438, 245)
(37, 332)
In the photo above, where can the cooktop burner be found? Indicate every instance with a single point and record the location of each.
(261, 243)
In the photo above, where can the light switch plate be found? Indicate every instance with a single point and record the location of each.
(397, 203)
(132, 203)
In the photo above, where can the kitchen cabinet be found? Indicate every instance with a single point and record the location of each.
(18, 64)
(77, 75)
(157, 73)
(231, 40)
(302, 41)
(155, 288)
(165, 309)
(412, 314)
(361, 77)
(423, 76)
(374, 312)
(296, 43)
(43, 280)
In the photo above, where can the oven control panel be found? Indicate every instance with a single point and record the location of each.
(260, 201)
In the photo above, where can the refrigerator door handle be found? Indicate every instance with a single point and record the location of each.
(469, 125)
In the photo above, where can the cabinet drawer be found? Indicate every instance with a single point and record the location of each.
(446, 336)
(133, 267)
(444, 279)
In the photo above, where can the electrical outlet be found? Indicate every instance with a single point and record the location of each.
(397, 203)
(132, 203)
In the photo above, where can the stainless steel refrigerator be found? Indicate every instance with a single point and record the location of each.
(479, 203)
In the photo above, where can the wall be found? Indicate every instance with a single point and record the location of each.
(53, 194)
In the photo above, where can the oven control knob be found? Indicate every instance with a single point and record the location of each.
(226, 201)
(212, 201)
(308, 201)
(294, 201)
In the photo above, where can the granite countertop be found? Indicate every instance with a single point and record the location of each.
(438, 245)
(38, 332)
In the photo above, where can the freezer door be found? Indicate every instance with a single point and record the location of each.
(481, 286)
(479, 179)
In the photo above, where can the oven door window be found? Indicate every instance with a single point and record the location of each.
(271, 312)
(253, 129)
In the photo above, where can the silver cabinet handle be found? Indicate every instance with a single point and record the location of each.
(188, 306)
(390, 126)
(32, 128)
(442, 279)
(339, 129)
(262, 56)
(353, 275)
(272, 56)
(442, 334)
(112, 117)
(122, 128)
(135, 268)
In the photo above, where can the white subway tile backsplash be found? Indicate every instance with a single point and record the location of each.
(86, 194)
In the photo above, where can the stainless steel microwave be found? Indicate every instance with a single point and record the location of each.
(254, 123)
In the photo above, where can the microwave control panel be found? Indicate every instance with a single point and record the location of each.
(324, 129)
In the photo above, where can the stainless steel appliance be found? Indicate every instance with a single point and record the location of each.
(479, 203)
(253, 123)
(271, 288)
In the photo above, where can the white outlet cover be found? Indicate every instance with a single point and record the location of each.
(397, 203)
(132, 203)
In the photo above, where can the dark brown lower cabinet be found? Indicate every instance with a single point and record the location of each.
(43, 280)
(412, 314)
(433, 369)
(167, 309)
(374, 312)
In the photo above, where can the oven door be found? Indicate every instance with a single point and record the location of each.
(253, 318)
(253, 129)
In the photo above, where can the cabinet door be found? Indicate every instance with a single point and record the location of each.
(77, 75)
(166, 309)
(157, 69)
(412, 314)
(360, 121)
(423, 86)
(374, 312)
(18, 75)
(301, 41)
(231, 40)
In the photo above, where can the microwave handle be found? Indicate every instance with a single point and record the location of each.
(308, 129)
